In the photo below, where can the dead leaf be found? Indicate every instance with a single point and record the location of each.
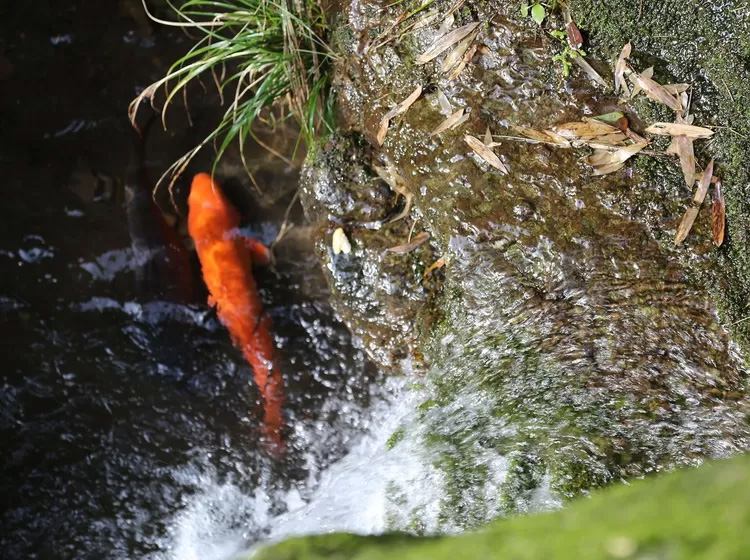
(679, 129)
(446, 41)
(448, 123)
(546, 136)
(575, 39)
(686, 225)
(648, 72)
(440, 263)
(683, 147)
(485, 153)
(703, 183)
(614, 139)
(620, 66)
(487, 136)
(393, 179)
(464, 61)
(634, 136)
(583, 130)
(411, 245)
(590, 72)
(656, 92)
(605, 162)
(676, 89)
(398, 110)
(719, 215)
(455, 57)
(445, 105)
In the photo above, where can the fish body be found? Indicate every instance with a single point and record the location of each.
(163, 265)
(226, 259)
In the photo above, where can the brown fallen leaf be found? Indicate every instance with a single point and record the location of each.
(487, 136)
(575, 39)
(440, 263)
(620, 155)
(634, 136)
(620, 66)
(445, 105)
(455, 57)
(464, 61)
(682, 146)
(656, 92)
(614, 139)
(583, 130)
(703, 183)
(593, 75)
(719, 215)
(686, 225)
(398, 110)
(676, 89)
(393, 179)
(485, 153)
(648, 72)
(678, 129)
(540, 135)
(446, 41)
(411, 245)
(448, 123)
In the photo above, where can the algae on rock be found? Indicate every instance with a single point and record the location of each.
(566, 336)
(693, 514)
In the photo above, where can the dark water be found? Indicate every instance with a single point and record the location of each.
(116, 409)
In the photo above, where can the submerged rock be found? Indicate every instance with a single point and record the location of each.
(564, 335)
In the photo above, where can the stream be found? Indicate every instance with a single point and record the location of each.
(130, 424)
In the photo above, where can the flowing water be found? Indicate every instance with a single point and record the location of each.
(130, 424)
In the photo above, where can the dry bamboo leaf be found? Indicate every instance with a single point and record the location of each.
(605, 162)
(634, 136)
(398, 184)
(590, 72)
(609, 168)
(719, 215)
(463, 119)
(686, 225)
(703, 183)
(581, 130)
(485, 153)
(398, 110)
(678, 129)
(340, 243)
(426, 20)
(464, 61)
(540, 135)
(487, 136)
(456, 56)
(648, 72)
(656, 92)
(676, 89)
(614, 139)
(445, 105)
(411, 245)
(620, 65)
(446, 25)
(448, 123)
(440, 263)
(445, 42)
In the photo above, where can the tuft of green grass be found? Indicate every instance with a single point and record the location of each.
(262, 55)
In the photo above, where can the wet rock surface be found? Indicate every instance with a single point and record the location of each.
(567, 337)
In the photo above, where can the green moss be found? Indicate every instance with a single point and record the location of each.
(395, 438)
(694, 514)
(706, 45)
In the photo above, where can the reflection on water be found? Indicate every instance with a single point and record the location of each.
(121, 416)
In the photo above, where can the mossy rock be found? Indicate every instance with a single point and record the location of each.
(693, 514)
(564, 327)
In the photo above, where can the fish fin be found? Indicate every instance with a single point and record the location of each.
(259, 252)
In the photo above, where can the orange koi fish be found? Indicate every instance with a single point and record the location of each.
(226, 258)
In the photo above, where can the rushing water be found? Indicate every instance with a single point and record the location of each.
(130, 425)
